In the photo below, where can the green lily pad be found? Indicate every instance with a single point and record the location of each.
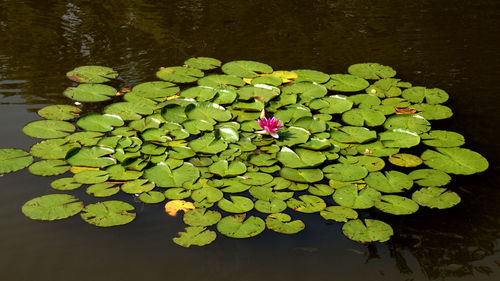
(208, 144)
(152, 197)
(350, 196)
(108, 213)
(399, 138)
(197, 126)
(405, 160)
(237, 204)
(282, 223)
(90, 157)
(85, 138)
(224, 168)
(137, 186)
(177, 193)
(433, 111)
(429, 177)
(300, 158)
(102, 189)
(270, 207)
(267, 80)
(155, 90)
(389, 181)
(195, 235)
(52, 207)
(48, 129)
(308, 75)
(52, 149)
(129, 110)
(247, 69)
(208, 111)
(236, 226)
(302, 175)
(396, 205)
(345, 172)
(163, 176)
(338, 213)
(221, 81)
(92, 74)
(91, 176)
(65, 184)
(413, 123)
(13, 159)
(376, 149)
(201, 217)
(369, 231)
(203, 63)
(306, 204)
(99, 122)
(431, 96)
(292, 136)
(351, 134)
(320, 190)
(370, 163)
(90, 92)
(363, 117)
(207, 194)
(311, 124)
(179, 74)
(306, 91)
(59, 112)
(436, 197)
(49, 167)
(262, 160)
(455, 160)
(346, 83)
(383, 88)
(335, 104)
(255, 178)
(439, 138)
(371, 70)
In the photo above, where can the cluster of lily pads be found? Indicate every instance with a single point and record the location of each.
(347, 141)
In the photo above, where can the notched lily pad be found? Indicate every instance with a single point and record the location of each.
(369, 231)
(52, 207)
(108, 213)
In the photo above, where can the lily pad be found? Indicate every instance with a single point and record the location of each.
(224, 168)
(236, 226)
(163, 176)
(455, 160)
(90, 92)
(137, 186)
(431, 96)
(203, 63)
(389, 181)
(436, 197)
(195, 235)
(65, 184)
(429, 177)
(102, 189)
(237, 204)
(152, 197)
(99, 122)
(108, 213)
(346, 83)
(371, 70)
(221, 81)
(440, 138)
(300, 158)
(91, 177)
(350, 196)
(270, 207)
(90, 157)
(208, 144)
(405, 160)
(345, 172)
(52, 207)
(396, 205)
(282, 223)
(369, 231)
(59, 112)
(302, 175)
(155, 90)
(13, 159)
(201, 217)
(363, 117)
(399, 138)
(306, 204)
(338, 213)
(49, 167)
(48, 129)
(179, 74)
(247, 69)
(52, 149)
(351, 134)
(92, 74)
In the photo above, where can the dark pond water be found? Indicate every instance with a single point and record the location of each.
(452, 45)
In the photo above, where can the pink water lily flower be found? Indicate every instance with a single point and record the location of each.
(269, 126)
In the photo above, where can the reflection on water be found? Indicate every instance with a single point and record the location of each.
(447, 44)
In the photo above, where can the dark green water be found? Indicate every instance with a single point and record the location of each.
(451, 45)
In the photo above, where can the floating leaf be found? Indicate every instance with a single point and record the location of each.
(369, 231)
(371, 70)
(399, 138)
(102, 189)
(349, 134)
(92, 74)
(137, 186)
(65, 184)
(363, 116)
(163, 176)
(429, 177)
(306, 204)
(439, 138)
(91, 177)
(396, 205)
(311, 76)
(302, 175)
(237, 204)
(436, 197)
(49, 167)
(13, 159)
(59, 112)
(225, 169)
(345, 172)
(283, 223)
(179, 74)
(52, 207)
(300, 158)
(48, 129)
(455, 160)
(152, 197)
(431, 96)
(248, 69)
(405, 160)
(389, 181)
(350, 196)
(108, 213)
(90, 92)
(339, 213)
(270, 207)
(52, 149)
(99, 122)
(236, 226)
(203, 63)
(433, 111)
(346, 83)
(91, 157)
(195, 235)
(201, 217)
